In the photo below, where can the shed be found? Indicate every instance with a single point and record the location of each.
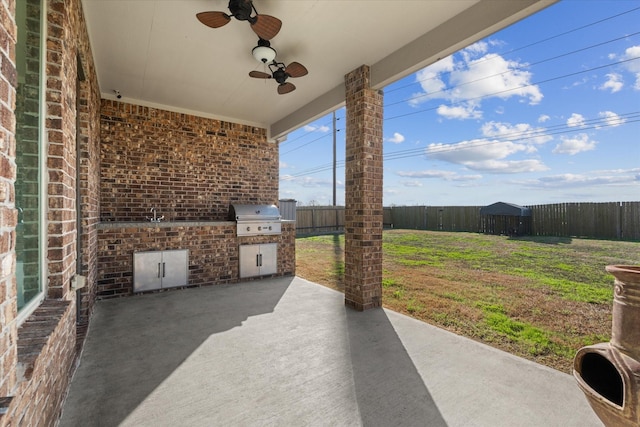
(505, 219)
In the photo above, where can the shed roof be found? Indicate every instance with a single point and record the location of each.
(508, 209)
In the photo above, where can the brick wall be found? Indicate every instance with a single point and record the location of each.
(188, 167)
(45, 353)
(8, 218)
(213, 252)
(61, 136)
(88, 148)
(38, 356)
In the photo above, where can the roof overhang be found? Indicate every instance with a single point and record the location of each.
(156, 53)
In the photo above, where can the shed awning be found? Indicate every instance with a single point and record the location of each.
(508, 209)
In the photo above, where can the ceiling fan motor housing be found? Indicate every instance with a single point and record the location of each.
(280, 75)
(241, 9)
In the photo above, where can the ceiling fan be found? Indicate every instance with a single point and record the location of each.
(265, 26)
(281, 73)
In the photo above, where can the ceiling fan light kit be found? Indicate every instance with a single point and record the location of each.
(266, 27)
(264, 52)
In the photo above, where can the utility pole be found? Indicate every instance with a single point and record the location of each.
(334, 158)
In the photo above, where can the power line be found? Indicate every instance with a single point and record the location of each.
(517, 88)
(288, 141)
(536, 43)
(304, 145)
(604, 122)
(516, 136)
(387, 105)
(564, 55)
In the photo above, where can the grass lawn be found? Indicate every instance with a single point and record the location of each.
(541, 298)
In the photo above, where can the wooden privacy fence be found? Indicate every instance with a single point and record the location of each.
(319, 219)
(613, 220)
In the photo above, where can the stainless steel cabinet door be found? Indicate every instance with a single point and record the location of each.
(268, 259)
(160, 269)
(258, 260)
(249, 260)
(147, 271)
(175, 265)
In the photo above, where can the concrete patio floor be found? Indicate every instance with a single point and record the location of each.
(287, 352)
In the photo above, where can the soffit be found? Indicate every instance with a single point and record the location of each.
(156, 53)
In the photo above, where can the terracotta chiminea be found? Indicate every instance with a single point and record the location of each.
(609, 373)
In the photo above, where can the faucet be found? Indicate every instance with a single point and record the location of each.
(155, 217)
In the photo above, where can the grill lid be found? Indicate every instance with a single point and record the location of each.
(254, 213)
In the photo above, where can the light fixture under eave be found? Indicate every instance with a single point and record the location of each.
(264, 52)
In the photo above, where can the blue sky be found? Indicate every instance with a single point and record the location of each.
(545, 111)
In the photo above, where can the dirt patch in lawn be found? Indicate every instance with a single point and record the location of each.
(538, 298)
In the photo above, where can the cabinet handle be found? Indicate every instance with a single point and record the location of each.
(260, 260)
(158, 270)
(163, 269)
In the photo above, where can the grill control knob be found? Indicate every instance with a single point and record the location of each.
(248, 228)
(259, 228)
(269, 227)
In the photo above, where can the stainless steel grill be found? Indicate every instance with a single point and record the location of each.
(256, 220)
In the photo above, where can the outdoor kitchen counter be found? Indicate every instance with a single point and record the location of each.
(137, 224)
(213, 247)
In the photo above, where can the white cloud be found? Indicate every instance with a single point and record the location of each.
(283, 165)
(466, 178)
(426, 174)
(611, 119)
(633, 66)
(473, 151)
(397, 138)
(576, 120)
(577, 83)
(430, 81)
(543, 118)
(314, 128)
(463, 111)
(493, 76)
(485, 155)
(594, 178)
(631, 62)
(508, 166)
(412, 184)
(521, 132)
(575, 144)
(438, 174)
(477, 75)
(614, 83)
(310, 182)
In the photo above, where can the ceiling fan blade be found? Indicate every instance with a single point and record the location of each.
(286, 88)
(265, 26)
(296, 69)
(213, 19)
(259, 75)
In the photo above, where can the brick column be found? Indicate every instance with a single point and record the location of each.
(363, 193)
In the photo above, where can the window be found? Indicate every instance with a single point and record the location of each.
(29, 187)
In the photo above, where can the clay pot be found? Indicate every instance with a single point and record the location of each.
(609, 373)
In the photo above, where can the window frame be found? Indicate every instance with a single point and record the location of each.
(43, 175)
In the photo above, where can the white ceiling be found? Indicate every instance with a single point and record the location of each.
(156, 53)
